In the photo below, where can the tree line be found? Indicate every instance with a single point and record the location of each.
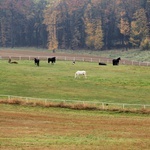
(75, 24)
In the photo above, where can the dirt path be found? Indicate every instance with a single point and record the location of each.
(27, 53)
(5, 54)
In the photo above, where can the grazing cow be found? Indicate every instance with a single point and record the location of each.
(73, 62)
(12, 62)
(80, 73)
(37, 61)
(116, 61)
(52, 60)
(101, 63)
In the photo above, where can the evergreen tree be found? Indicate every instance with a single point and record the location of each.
(125, 31)
(139, 28)
(76, 38)
(51, 20)
(74, 23)
(145, 44)
(52, 38)
(98, 39)
(89, 26)
(135, 34)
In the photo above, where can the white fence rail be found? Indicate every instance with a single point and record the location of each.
(86, 59)
(103, 105)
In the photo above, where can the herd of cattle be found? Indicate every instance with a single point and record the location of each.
(52, 60)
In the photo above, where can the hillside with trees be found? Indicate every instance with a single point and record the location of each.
(75, 24)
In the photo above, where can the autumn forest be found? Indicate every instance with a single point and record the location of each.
(75, 24)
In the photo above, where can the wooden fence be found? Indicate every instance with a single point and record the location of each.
(84, 59)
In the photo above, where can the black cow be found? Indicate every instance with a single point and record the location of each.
(37, 61)
(102, 63)
(52, 60)
(116, 61)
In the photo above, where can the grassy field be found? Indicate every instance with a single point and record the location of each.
(117, 84)
(24, 127)
(36, 128)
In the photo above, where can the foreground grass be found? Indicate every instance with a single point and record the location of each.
(38, 128)
(121, 84)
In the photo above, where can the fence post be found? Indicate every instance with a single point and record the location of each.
(103, 106)
(26, 100)
(83, 59)
(107, 61)
(139, 63)
(83, 103)
(45, 101)
(123, 106)
(132, 62)
(147, 63)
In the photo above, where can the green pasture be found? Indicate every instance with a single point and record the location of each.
(116, 84)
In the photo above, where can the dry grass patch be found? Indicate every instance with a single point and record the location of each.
(29, 128)
(76, 106)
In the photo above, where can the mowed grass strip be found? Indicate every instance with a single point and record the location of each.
(112, 84)
(31, 128)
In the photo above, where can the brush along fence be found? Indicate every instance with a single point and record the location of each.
(86, 59)
(74, 103)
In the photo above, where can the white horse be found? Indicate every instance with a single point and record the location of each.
(80, 73)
